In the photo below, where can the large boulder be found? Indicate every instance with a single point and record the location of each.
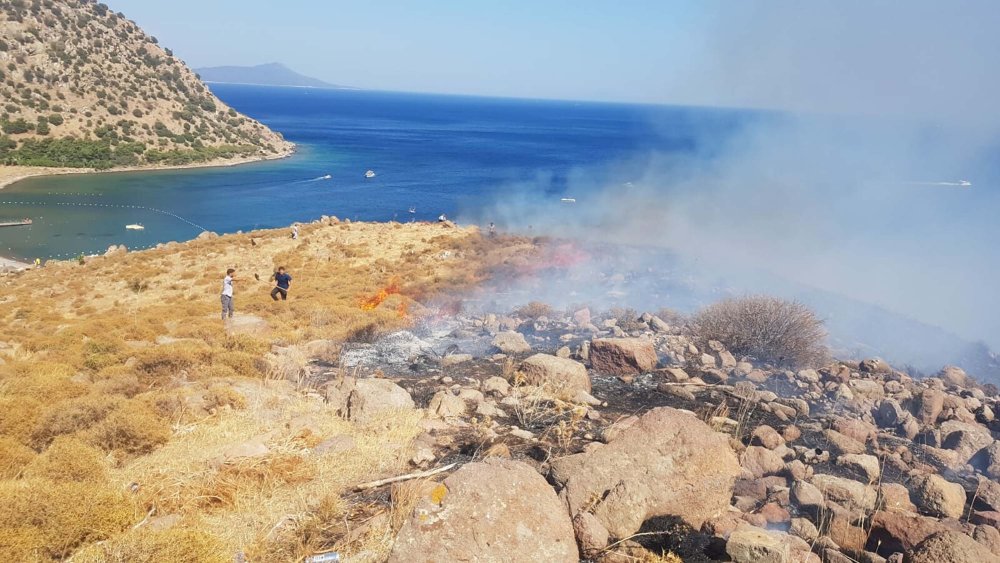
(364, 400)
(987, 460)
(622, 356)
(497, 510)
(668, 463)
(950, 547)
(511, 342)
(561, 376)
(929, 405)
(901, 531)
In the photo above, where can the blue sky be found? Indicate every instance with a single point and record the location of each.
(917, 57)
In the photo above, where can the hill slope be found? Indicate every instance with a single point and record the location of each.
(83, 86)
(271, 74)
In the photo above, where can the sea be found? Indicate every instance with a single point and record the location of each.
(886, 230)
(431, 155)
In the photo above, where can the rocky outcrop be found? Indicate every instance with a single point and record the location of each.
(496, 510)
(622, 356)
(668, 463)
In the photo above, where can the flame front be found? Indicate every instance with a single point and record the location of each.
(371, 302)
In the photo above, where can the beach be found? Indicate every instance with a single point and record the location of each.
(11, 174)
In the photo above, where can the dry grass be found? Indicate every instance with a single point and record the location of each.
(119, 404)
(766, 328)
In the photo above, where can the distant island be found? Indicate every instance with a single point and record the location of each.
(271, 74)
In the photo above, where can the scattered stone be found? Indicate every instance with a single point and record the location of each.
(560, 376)
(591, 535)
(510, 342)
(455, 359)
(496, 385)
(866, 465)
(617, 356)
(938, 497)
(767, 437)
(851, 494)
(446, 405)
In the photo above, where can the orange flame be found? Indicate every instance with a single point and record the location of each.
(373, 301)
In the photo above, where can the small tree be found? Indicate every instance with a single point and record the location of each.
(767, 328)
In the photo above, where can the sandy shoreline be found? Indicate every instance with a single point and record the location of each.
(10, 175)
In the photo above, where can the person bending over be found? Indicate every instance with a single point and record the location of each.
(281, 283)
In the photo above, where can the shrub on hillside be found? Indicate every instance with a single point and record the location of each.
(133, 428)
(147, 546)
(14, 457)
(43, 519)
(74, 415)
(767, 328)
(69, 459)
(534, 310)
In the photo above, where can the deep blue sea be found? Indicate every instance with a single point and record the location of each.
(433, 154)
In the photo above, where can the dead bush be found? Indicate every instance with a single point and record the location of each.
(43, 519)
(627, 319)
(18, 416)
(71, 416)
(133, 428)
(13, 457)
(69, 459)
(766, 328)
(223, 395)
(147, 546)
(534, 310)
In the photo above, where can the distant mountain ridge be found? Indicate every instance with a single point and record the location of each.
(270, 74)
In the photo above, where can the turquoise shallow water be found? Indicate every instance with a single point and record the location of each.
(431, 154)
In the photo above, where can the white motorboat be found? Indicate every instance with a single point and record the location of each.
(135, 227)
(370, 174)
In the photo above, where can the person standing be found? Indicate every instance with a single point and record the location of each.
(295, 232)
(493, 230)
(227, 294)
(281, 282)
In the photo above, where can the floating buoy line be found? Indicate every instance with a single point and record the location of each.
(69, 255)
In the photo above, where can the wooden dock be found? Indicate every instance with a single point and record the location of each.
(16, 223)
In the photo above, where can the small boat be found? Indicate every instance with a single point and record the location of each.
(568, 200)
(327, 177)
(135, 227)
(370, 174)
(23, 222)
(413, 210)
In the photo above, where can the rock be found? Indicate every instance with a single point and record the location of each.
(560, 376)
(988, 493)
(510, 342)
(615, 430)
(677, 391)
(965, 438)
(336, 444)
(455, 359)
(761, 462)
(591, 535)
(446, 405)
(723, 358)
(866, 465)
(842, 444)
(808, 498)
(851, 494)
(496, 385)
(678, 375)
(767, 437)
(989, 537)
(582, 317)
(803, 528)
(950, 547)
(897, 497)
(622, 356)
(890, 413)
(250, 448)
(929, 405)
(875, 365)
(955, 376)
(669, 463)
(658, 325)
(494, 510)
(987, 460)
(937, 497)
(754, 545)
(901, 531)
(116, 250)
(857, 429)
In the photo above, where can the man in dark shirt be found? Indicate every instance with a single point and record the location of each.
(281, 282)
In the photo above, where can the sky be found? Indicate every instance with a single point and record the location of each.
(914, 57)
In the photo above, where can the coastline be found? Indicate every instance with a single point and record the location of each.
(10, 175)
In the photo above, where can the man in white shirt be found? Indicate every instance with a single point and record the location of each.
(227, 294)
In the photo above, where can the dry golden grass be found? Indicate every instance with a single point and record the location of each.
(121, 391)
